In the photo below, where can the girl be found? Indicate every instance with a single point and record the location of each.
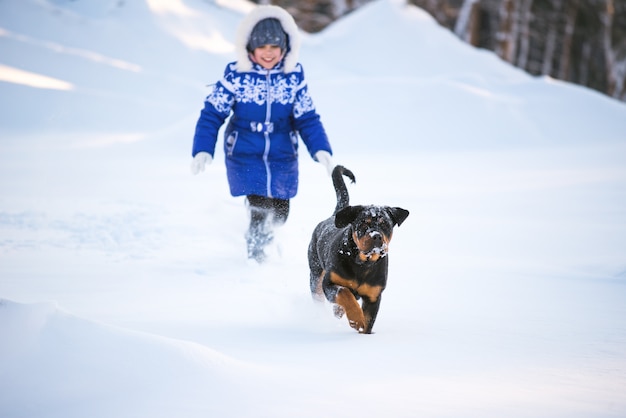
(267, 95)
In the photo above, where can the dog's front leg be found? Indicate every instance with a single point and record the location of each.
(370, 310)
(351, 307)
(345, 303)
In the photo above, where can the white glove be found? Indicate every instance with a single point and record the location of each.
(199, 161)
(326, 160)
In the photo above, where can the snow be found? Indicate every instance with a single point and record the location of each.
(124, 287)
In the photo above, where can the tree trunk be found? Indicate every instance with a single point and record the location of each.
(507, 33)
(606, 17)
(548, 52)
(583, 64)
(465, 22)
(524, 45)
(566, 52)
(340, 8)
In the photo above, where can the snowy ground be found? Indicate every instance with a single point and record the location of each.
(124, 287)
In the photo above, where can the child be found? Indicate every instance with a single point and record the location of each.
(268, 97)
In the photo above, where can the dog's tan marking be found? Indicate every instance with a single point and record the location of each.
(364, 289)
(371, 292)
(340, 281)
(351, 307)
(371, 257)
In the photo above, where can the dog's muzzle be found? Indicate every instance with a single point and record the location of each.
(380, 251)
(372, 246)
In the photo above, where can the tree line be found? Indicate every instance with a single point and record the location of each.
(580, 41)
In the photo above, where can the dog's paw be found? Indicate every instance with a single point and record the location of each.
(357, 325)
(338, 311)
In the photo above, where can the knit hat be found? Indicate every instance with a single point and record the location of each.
(267, 32)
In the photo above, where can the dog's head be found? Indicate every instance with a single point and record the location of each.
(372, 228)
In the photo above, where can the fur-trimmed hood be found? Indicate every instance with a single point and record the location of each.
(245, 29)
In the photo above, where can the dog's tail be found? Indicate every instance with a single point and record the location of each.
(343, 199)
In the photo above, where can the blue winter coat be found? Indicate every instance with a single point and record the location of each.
(270, 110)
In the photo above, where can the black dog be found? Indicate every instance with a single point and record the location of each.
(348, 255)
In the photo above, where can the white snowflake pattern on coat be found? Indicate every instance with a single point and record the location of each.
(220, 99)
(247, 89)
(303, 105)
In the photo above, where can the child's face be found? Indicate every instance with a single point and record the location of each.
(267, 56)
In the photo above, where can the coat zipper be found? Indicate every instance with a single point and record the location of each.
(268, 114)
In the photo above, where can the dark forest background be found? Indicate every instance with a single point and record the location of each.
(580, 41)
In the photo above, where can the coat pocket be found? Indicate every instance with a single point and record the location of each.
(231, 141)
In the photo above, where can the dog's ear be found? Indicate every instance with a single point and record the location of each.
(398, 215)
(347, 215)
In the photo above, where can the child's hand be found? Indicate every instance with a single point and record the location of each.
(326, 160)
(199, 161)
